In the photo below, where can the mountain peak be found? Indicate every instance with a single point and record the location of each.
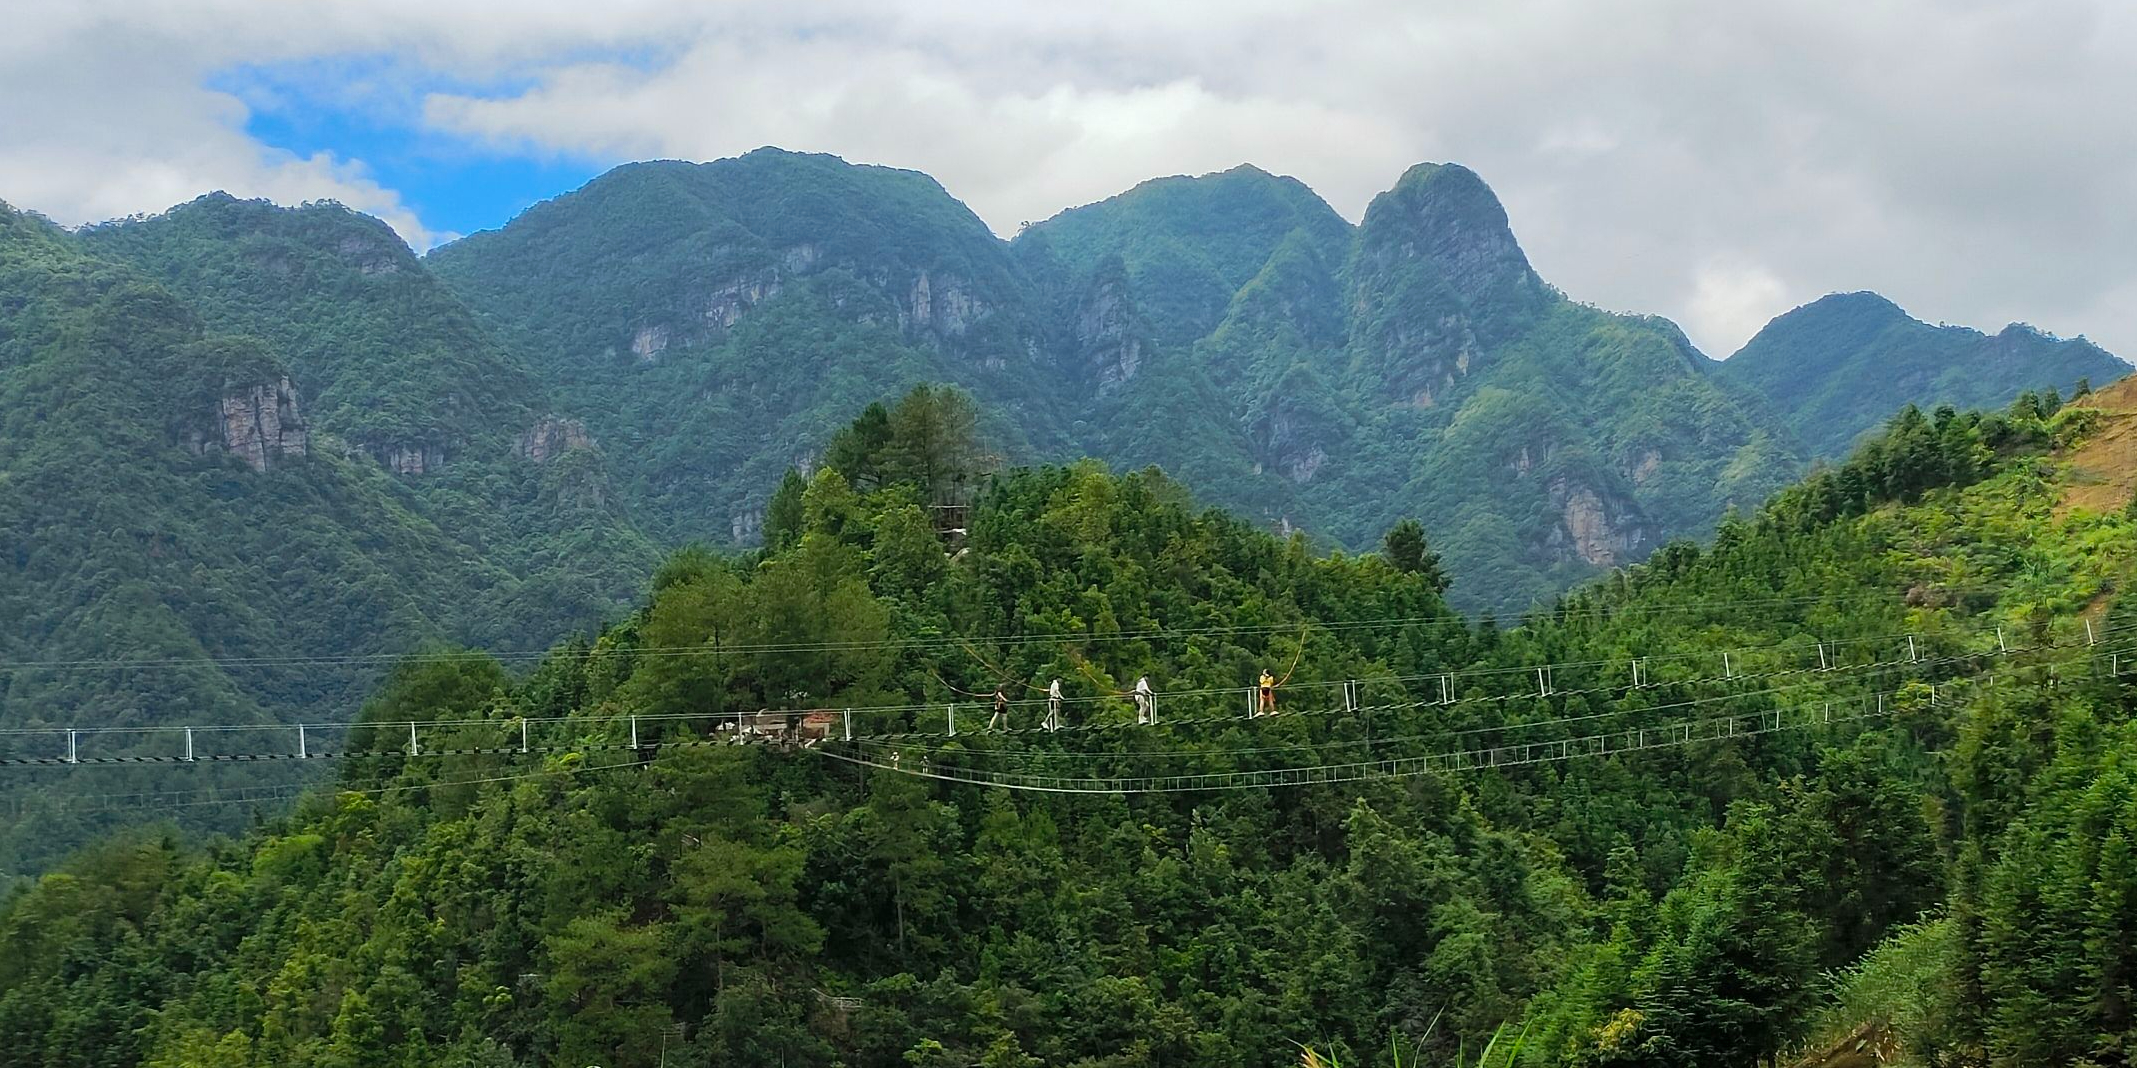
(1842, 363)
(1445, 215)
(1195, 239)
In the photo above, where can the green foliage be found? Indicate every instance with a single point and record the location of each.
(129, 533)
(929, 440)
(1405, 547)
(764, 907)
(1836, 368)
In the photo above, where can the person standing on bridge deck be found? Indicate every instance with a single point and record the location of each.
(1268, 692)
(1053, 705)
(1000, 719)
(1146, 703)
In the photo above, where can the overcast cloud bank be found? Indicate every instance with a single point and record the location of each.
(1715, 163)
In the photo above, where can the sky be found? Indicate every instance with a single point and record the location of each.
(1717, 163)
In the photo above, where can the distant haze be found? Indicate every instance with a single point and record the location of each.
(1718, 164)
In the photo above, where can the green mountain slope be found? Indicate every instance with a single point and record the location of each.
(1838, 366)
(169, 497)
(1188, 245)
(497, 436)
(1230, 328)
(716, 322)
(759, 906)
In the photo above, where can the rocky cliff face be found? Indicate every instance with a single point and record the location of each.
(747, 526)
(1298, 427)
(1439, 280)
(726, 304)
(1600, 532)
(1108, 347)
(552, 436)
(648, 342)
(943, 305)
(412, 459)
(261, 424)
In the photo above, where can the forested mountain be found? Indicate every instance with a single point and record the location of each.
(715, 321)
(1836, 368)
(1231, 328)
(1907, 678)
(177, 514)
(235, 430)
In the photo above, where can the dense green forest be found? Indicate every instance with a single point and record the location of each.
(152, 571)
(237, 434)
(1232, 329)
(1939, 861)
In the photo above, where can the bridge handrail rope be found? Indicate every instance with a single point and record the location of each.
(166, 799)
(302, 753)
(1634, 739)
(1858, 672)
(2093, 635)
(1739, 653)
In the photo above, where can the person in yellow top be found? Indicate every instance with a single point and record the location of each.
(1268, 692)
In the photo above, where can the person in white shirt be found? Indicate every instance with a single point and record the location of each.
(1053, 705)
(1146, 703)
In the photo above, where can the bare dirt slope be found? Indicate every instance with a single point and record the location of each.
(2103, 469)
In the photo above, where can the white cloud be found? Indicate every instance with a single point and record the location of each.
(1732, 300)
(1715, 163)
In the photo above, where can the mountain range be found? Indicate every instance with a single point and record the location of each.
(237, 431)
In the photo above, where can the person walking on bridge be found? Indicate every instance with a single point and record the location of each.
(1146, 703)
(1053, 705)
(1000, 719)
(1268, 692)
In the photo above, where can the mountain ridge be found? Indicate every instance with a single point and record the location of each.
(1838, 365)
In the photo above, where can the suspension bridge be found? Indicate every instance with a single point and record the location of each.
(1660, 702)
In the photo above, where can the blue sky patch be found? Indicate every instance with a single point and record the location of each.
(369, 109)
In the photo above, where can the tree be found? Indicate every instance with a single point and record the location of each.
(1405, 547)
(858, 450)
(934, 443)
(607, 980)
(783, 514)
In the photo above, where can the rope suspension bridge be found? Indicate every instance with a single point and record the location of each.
(1798, 684)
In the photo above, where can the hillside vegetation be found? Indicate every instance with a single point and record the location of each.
(174, 521)
(237, 434)
(1837, 367)
(1941, 855)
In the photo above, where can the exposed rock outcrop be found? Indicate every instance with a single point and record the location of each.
(412, 459)
(1589, 528)
(649, 342)
(552, 436)
(748, 526)
(1299, 427)
(262, 424)
(1650, 462)
(1107, 344)
(370, 255)
(725, 305)
(1440, 281)
(944, 305)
